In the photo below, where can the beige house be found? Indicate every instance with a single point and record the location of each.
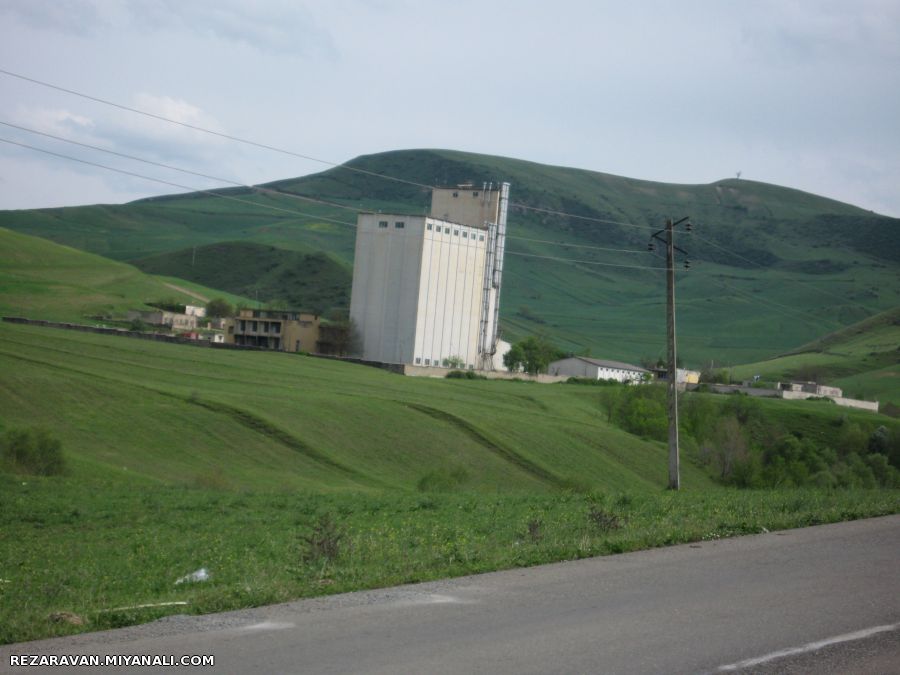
(280, 330)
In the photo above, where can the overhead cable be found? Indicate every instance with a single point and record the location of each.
(178, 185)
(257, 188)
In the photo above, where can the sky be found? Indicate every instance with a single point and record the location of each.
(799, 93)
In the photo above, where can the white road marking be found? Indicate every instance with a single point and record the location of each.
(810, 647)
(269, 625)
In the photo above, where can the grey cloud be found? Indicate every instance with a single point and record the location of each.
(282, 27)
(71, 17)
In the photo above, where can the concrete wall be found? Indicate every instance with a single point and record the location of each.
(789, 395)
(420, 371)
(472, 206)
(573, 367)
(385, 296)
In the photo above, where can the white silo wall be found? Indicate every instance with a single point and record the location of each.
(451, 283)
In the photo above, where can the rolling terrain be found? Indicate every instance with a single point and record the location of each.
(261, 420)
(862, 359)
(772, 268)
(43, 280)
(313, 282)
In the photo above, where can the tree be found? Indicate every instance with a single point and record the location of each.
(533, 355)
(219, 307)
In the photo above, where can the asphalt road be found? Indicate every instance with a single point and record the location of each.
(816, 600)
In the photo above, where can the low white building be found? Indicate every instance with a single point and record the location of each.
(597, 369)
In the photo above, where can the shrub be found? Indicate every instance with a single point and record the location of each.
(324, 542)
(32, 451)
(464, 375)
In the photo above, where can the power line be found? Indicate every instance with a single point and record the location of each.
(178, 185)
(269, 190)
(774, 305)
(195, 127)
(595, 248)
(181, 170)
(283, 151)
(585, 262)
(326, 162)
(573, 215)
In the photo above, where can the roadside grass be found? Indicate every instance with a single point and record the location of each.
(287, 476)
(93, 546)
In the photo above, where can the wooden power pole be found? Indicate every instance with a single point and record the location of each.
(672, 370)
(674, 467)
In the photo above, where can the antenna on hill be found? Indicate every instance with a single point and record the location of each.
(738, 174)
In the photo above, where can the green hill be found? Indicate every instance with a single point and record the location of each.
(158, 412)
(774, 267)
(862, 359)
(311, 281)
(43, 280)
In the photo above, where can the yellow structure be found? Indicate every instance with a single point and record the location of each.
(280, 330)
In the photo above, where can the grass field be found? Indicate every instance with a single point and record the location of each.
(42, 280)
(95, 548)
(288, 476)
(265, 420)
(862, 359)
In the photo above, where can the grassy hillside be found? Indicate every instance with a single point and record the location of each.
(774, 267)
(174, 414)
(287, 476)
(311, 281)
(43, 280)
(863, 359)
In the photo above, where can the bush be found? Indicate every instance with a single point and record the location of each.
(32, 451)
(464, 375)
(323, 542)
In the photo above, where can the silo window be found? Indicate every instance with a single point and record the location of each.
(465, 235)
(455, 233)
(480, 237)
(382, 223)
(456, 194)
(446, 230)
(399, 225)
(428, 226)
(427, 362)
(418, 360)
(474, 194)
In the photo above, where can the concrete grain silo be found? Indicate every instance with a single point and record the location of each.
(426, 289)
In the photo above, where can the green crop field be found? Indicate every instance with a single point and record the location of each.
(289, 476)
(773, 268)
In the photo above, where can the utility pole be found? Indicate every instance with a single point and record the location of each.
(672, 370)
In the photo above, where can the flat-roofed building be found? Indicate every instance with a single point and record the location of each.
(279, 330)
